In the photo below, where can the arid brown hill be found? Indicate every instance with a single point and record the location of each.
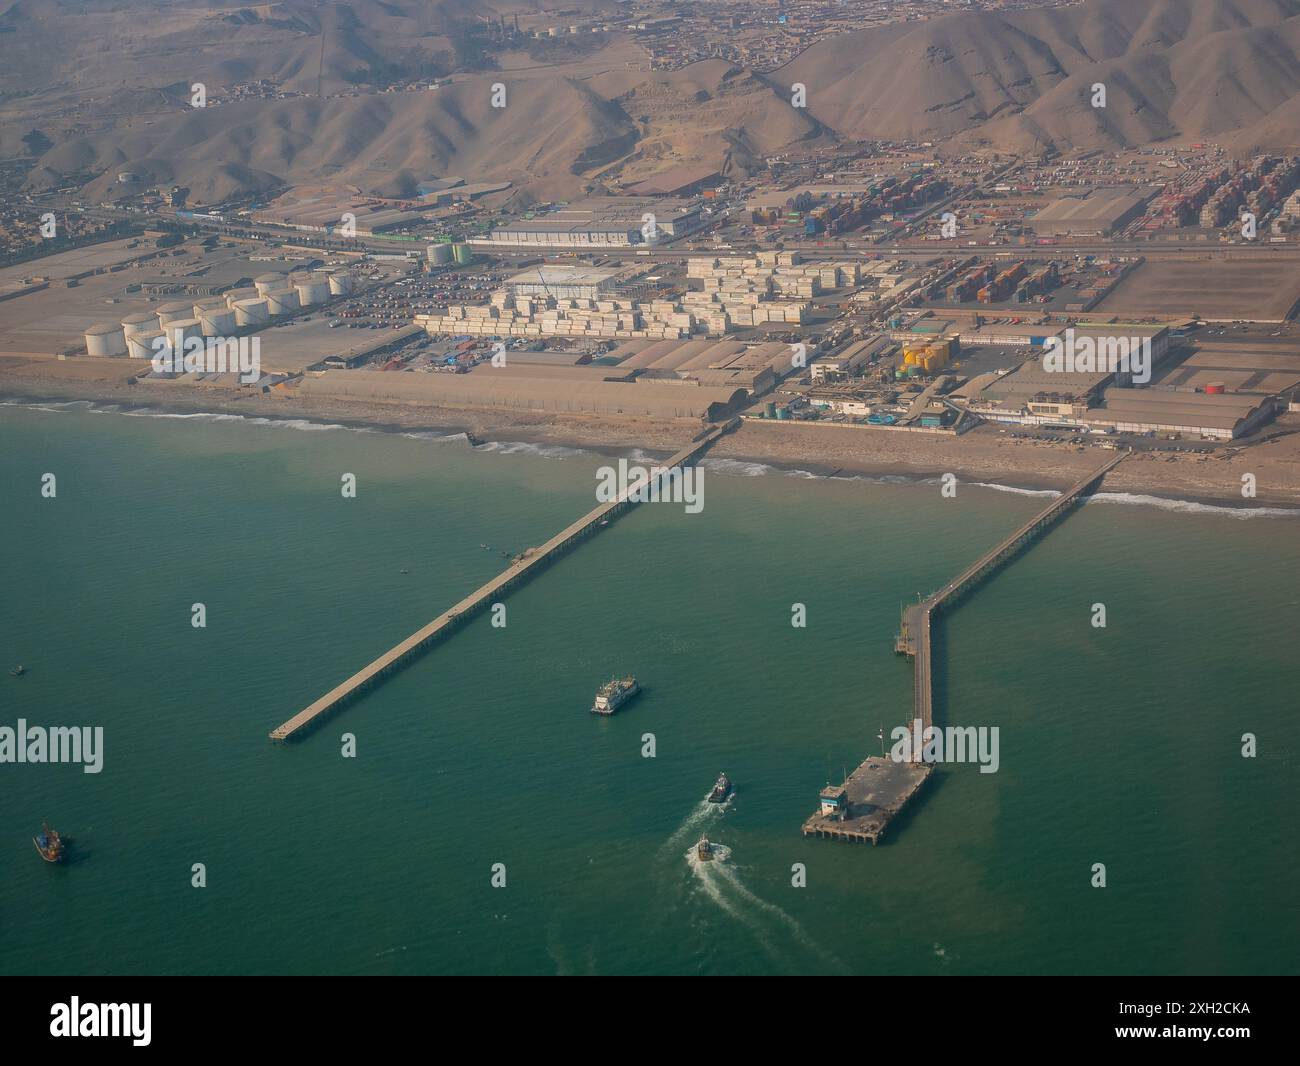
(1224, 69)
(107, 83)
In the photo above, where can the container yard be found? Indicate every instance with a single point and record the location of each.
(1032, 286)
(726, 293)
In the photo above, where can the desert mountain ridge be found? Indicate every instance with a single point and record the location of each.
(111, 98)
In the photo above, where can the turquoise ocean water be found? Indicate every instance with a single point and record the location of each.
(1118, 745)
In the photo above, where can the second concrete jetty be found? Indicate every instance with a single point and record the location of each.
(862, 807)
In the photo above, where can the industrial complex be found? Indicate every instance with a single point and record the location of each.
(922, 343)
(884, 289)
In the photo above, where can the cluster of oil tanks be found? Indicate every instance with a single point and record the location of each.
(445, 253)
(270, 296)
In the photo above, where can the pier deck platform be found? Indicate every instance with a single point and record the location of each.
(877, 791)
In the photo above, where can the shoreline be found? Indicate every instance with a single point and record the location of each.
(980, 457)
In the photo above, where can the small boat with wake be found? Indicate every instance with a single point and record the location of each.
(18, 671)
(704, 850)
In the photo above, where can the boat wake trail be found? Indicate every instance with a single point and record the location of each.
(780, 936)
(718, 885)
(688, 831)
(720, 881)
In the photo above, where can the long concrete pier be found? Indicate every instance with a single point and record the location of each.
(915, 631)
(520, 570)
(871, 797)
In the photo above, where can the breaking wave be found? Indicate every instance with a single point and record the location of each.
(436, 438)
(1192, 507)
(301, 424)
(44, 405)
(1015, 489)
(545, 451)
(737, 467)
(753, 468)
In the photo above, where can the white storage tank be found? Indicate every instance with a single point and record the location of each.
(106, 338)
(313, 289)
(218, 322)
(266, 282)
(233, 296)
(180, 332)
(252, 313)
(208, 303)
(341, 284)
(140, 322)
(283, 302)
(144, 343)
(174, 312)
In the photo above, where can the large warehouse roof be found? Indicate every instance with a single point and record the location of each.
(1031, 378)
(565, 275)
(1151, 406)
(665, 355)
(1096, 211)
(551, 371)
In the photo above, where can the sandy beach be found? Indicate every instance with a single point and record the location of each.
(982, 455)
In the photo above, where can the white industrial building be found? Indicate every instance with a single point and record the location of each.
(565, 282)
(1218, 416)
(609, 222)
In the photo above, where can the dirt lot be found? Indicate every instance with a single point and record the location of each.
(1262, 288)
